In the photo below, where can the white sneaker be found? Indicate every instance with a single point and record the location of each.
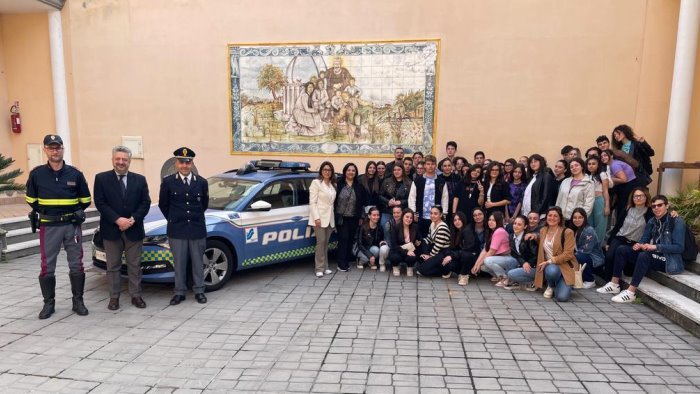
(625, 297)
(531, 287)
(409, 271)
(463, 280)
(382, 267)
(588, 285)
(360, 266)
(319, 274)
(549, 292)
(396, 270)
(327, 272)
(447, 275)
(609, 288)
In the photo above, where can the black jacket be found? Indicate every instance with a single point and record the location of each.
(397, 238)
(396, 190)
(499, 192)
(528, 250)
(111, 204)
(184, 206)
(466, 242)
(541, 197)
(419, 184)
(360, 196)
(368, 237)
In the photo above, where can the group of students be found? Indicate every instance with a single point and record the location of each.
(526, 225)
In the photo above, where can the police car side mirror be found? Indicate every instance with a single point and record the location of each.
(260, 205)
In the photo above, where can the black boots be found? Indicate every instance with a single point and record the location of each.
(77, 284)
(48, 290)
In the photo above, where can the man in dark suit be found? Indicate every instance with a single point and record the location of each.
(122, 198)
(183, 199)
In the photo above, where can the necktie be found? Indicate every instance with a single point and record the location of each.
(186, 181)
(122, 186)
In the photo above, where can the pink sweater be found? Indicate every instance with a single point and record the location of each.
(500, 242)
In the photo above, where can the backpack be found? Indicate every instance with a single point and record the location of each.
(690, 251)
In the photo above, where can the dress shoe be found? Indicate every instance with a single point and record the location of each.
(138, 302)
(201, 298)
(113, 304)
(177, 299)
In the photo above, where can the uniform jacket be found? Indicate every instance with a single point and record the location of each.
(563, 257)
(321, 201)
(184, 206)
(580, 196)
(112, 205)
(57, 193)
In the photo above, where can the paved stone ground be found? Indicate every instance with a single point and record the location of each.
(279, 329)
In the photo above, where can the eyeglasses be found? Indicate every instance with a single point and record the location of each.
(659, 205)
(639, 196)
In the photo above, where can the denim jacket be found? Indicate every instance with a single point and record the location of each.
(588, 243)
(670, 245)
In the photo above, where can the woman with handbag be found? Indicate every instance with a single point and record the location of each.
(556, 261)
(321, 214)
(588, 251)
(435, 245)
(370, 245)
(404, 244)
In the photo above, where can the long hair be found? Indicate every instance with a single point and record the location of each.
(365, 224)
(320, 172)
(498, 216)
(412, 228)
(523, 177)
(455, 238)
(499, 178)
(577, 230)
(594, 175)
(626, 131)
(370, 184)
(467, 178)
(310, 100)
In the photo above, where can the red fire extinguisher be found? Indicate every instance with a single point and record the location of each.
(15, 118)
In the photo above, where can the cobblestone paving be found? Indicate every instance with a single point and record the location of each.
(279, 329)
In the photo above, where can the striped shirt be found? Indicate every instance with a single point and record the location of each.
(438, 237)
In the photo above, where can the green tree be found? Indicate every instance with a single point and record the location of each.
(7, 179)
(271, 78)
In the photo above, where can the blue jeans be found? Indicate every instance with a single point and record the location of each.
(384, 220)
(380, 253)
(555, 280)
(519, 275)
(588, 271)
(498, 266)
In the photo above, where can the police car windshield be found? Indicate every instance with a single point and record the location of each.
(226, 193)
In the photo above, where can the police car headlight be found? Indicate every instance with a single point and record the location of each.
(158, 240)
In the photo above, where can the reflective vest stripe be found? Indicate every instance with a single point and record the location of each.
(85, 200)
(31, 200)
(58, 201)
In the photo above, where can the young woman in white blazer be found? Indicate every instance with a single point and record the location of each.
(321, 214)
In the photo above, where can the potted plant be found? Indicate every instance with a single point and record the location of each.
(687, 203)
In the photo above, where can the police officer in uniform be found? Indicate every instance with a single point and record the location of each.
(183, 199)
(59, 194)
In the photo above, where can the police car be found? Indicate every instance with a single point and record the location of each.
(258, 215)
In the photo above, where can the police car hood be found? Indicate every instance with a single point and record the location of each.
(155, 223)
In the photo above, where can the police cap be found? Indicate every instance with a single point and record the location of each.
(53, 139)
(184, 154)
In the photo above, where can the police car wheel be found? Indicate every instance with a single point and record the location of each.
(218, 265)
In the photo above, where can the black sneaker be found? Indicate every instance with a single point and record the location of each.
(512, 286)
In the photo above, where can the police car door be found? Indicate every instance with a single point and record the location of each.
(280, 234)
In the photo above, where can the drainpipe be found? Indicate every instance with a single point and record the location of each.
(681, 93)
(58, 73)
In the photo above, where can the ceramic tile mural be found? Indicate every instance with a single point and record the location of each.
(333, 98)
